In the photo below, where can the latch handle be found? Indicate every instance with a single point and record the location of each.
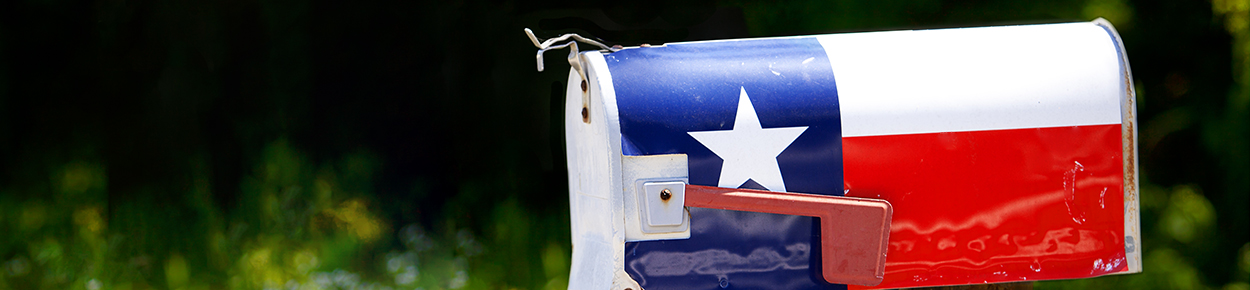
(854, 232)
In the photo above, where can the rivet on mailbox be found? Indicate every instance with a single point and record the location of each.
(884, 159)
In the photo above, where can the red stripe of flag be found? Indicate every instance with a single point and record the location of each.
(994, 206)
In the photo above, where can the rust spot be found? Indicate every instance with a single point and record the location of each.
(617, 47)
(585, 102)
(666, 194)
(645, 45)
(1130, 139)
(1130, 159)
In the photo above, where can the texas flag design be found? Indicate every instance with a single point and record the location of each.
(1000, 149)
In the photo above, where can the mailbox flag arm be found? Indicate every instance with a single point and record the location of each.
(854, 232)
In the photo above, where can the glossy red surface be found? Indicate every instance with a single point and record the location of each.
(995, 206)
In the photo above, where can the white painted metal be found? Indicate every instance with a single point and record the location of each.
(647, 222)
(596, 202)
(660, 212)
(974, 79)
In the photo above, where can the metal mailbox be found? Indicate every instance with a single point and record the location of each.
(884, 159)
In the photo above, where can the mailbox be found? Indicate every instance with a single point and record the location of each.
(881, 159)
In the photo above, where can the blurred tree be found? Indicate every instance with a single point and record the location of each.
(406, 144)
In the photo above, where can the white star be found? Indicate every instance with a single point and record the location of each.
(749, 151)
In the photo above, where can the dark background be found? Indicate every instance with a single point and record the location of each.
(317, 144)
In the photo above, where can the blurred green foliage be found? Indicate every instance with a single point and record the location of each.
(408, 145)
